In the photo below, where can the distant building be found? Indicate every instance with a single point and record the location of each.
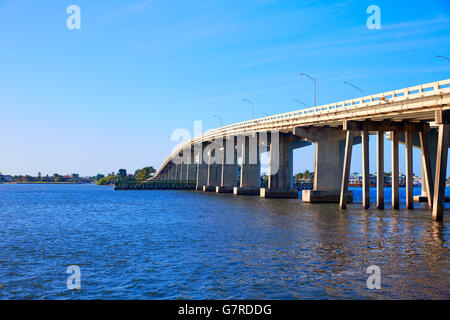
(6, 178)
(355, 180)
(417, 181)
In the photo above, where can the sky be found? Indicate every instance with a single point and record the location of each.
(110, 94)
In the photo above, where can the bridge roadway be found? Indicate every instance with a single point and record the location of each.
(417, 116)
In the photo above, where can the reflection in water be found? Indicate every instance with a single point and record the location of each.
(195, 245)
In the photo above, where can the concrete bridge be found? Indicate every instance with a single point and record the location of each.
(418, 116)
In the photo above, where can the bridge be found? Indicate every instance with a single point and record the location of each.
(417, 116)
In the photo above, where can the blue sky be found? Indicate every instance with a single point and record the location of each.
(109, 96)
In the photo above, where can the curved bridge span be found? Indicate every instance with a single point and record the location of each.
(417, 116)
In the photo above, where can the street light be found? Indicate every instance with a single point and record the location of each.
(253, 107)
(296, 100)
(357, 88)
(314, 80)
(265, 113)
(221, 122)
(443, 58)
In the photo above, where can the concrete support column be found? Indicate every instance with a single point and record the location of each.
(229, 166)
(442, 118)
(427, 176)
(214, 170)
(174, 172)
(365, 169)
(380, 170)
(250, 167)
(280, 169)
(327, 165)
(191, 168)
(250, 180)
(177, 170)
(202, 171)
(409, 169)
(329, 146)
(430, 139)
(346, 168)
(180, 176)
(280, 163)
(186, 173)
(395, 170)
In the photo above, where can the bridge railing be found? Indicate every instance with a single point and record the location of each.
(422, 90)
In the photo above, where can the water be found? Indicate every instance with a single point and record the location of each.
(194, 245)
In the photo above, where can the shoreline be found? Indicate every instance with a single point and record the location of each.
(43, 182)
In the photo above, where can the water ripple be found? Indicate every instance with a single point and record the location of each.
(193, 245)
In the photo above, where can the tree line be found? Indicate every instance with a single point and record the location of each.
(122, 176)
(100, 179)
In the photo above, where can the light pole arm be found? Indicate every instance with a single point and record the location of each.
(315, 86)
(357, 88)
(221, 122)
(253, 107)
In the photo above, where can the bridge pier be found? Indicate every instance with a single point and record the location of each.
(181, 171)
(346, 168)
(229, 166)
(202, 171)
(442, 118)
(409, 169)
(427, 168)
(380, 170)
(280, 169)
(250, 180)
(214, 166)
(365, 169)
(191, 168)
(395, 171)
(177, 172)
(174, 172)
(428, 147)
(409, 128)
(329, 154)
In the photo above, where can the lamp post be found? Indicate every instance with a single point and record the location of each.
(439, 56)
(296, 100)
(315, 87)
(357, 88)
(221, 122)
(253, 107)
